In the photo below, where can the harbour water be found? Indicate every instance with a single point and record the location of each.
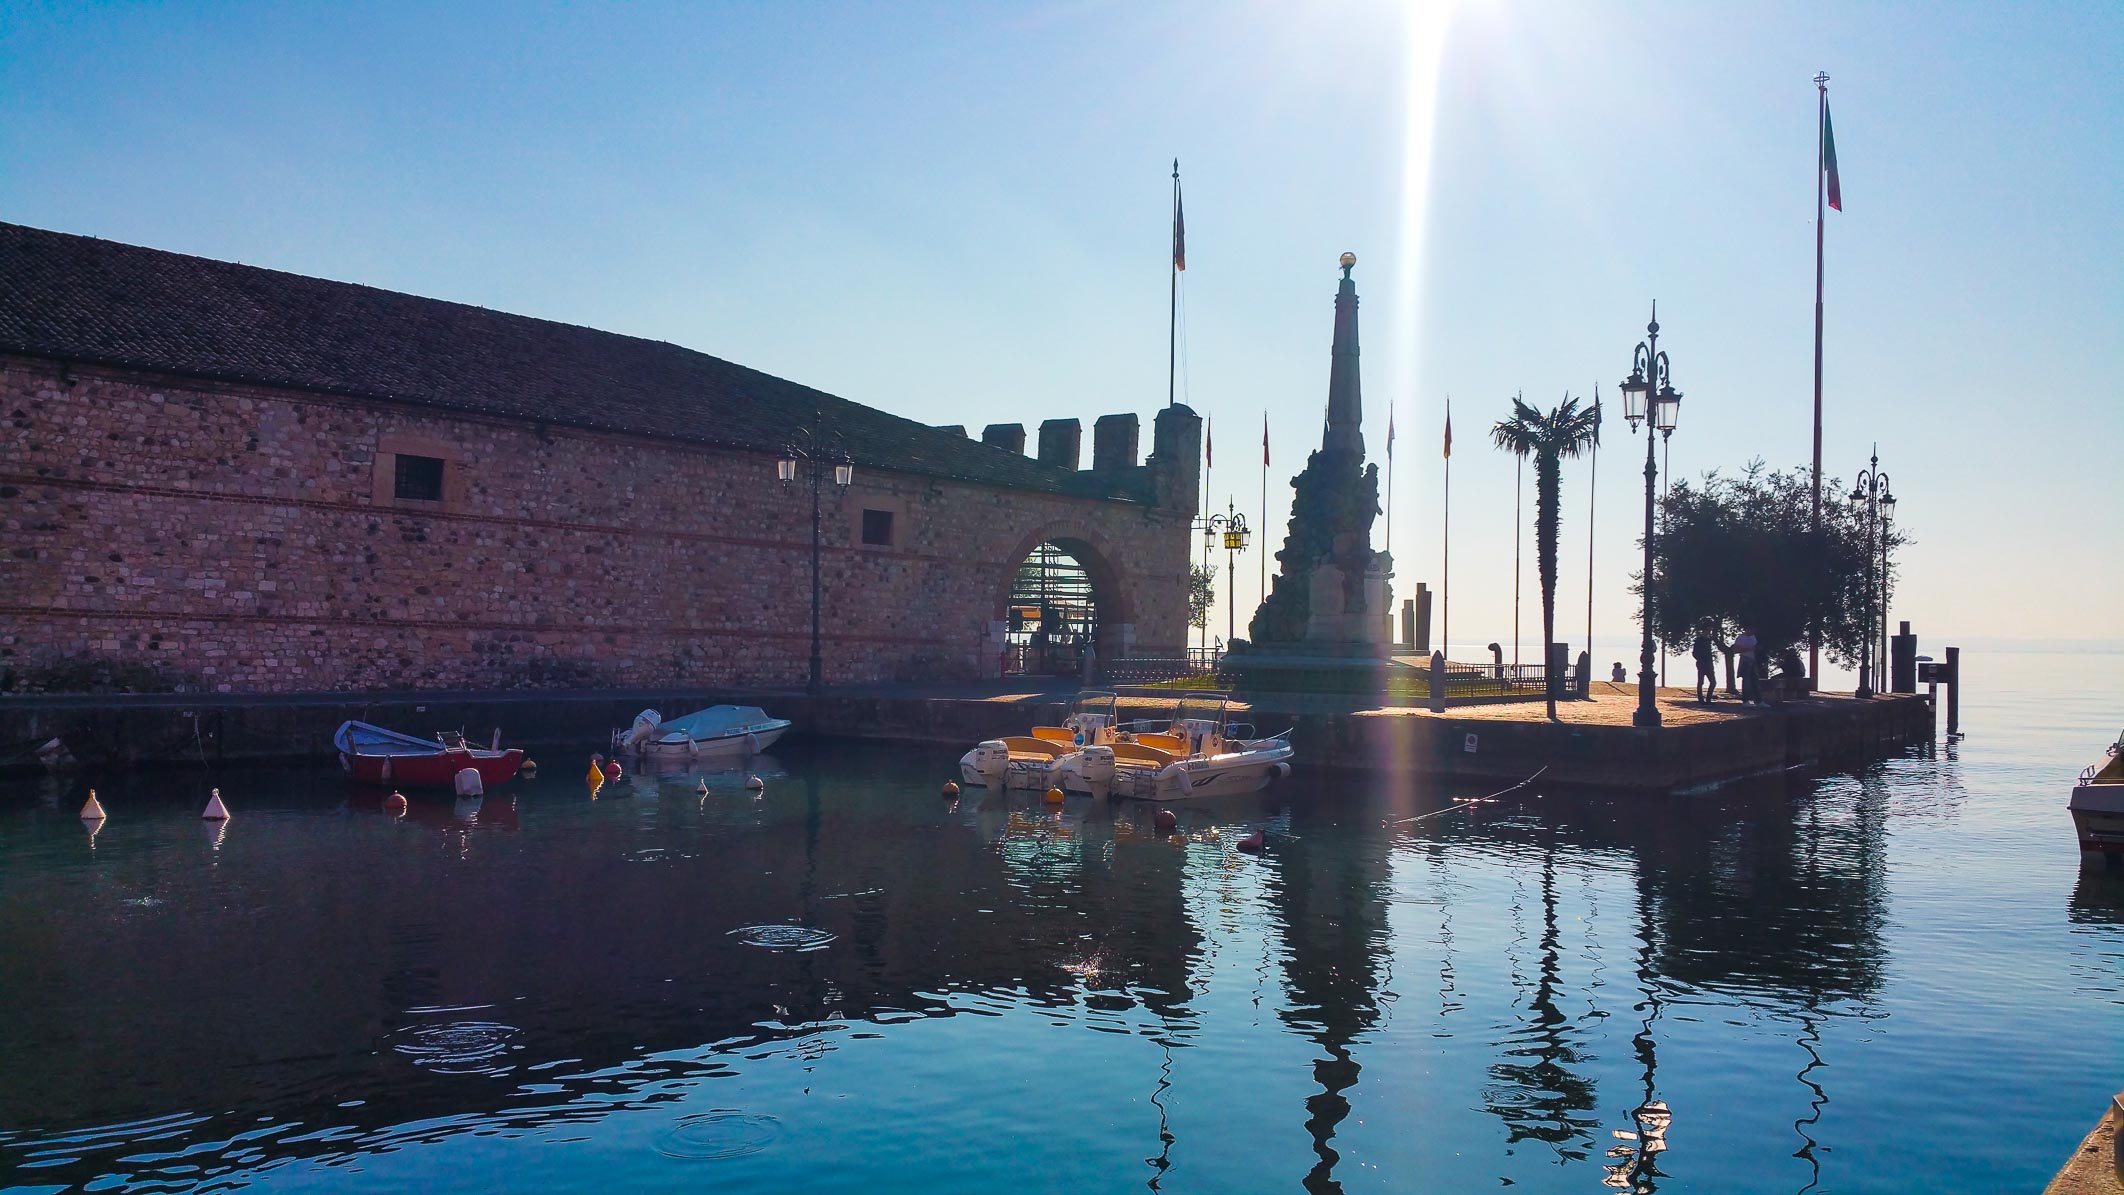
(1894, 981)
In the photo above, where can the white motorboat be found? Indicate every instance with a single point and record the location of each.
(718, 731)
(1198, 753)
(2098, 808)
(1028, 761)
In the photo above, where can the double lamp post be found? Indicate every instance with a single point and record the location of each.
(1232, 529)
(816, 450)
(1875, 503)
(1649, 396)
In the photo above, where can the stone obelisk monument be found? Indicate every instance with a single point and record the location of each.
(1330, 598)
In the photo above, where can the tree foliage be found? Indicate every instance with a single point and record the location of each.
(1201, 592)
(1563, 432)
(1742, 552)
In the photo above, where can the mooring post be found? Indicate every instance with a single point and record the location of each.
(1954, 690)
(1437, 682)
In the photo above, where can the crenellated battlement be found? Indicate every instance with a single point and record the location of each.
(1169, 477)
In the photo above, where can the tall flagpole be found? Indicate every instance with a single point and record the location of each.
(1445, 618)
(1821, 126)
(1390, 480)
(1519, 489)
(1172, 323)
(1263, 557)
(1592, 493)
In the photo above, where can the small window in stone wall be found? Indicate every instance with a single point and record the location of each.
(419, 478)
(877, 527)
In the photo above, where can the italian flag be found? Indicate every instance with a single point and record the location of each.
(1836, 190)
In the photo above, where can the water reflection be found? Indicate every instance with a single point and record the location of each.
(517, 965)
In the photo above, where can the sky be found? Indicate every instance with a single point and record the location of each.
(961, 214)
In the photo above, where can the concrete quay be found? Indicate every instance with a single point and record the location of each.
(1592, 744)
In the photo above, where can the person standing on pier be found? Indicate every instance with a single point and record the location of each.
(1744, 647)
(1706, 668)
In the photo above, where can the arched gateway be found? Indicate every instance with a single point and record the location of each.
(1062, 598)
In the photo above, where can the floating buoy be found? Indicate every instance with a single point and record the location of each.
(529, 767)
(1252, 843)
(701, 788)
(1054, 796)
(92, 810)
(1165, 821)
(951, 788)
(395, 803)
(596, 778)
(754, 783)
(612, 769)
(215, 810)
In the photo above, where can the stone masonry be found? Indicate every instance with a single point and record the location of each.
(230, 537)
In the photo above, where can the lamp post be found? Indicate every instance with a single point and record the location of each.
(1649, 396)
(1231, 527)
(818, 448)
(1875, 503)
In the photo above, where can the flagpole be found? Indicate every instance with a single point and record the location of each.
(1390, 483)
(1172, 322)
(1592, 494)
(1445, 617)
(1519, 489)
(1821, 125)
(1263, 557)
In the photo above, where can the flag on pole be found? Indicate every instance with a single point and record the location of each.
(1390, 432)
(1264, 439)
(1598, 415)
(1449, 430)
(1836, 189)
(1179, 224)
(1209, 443)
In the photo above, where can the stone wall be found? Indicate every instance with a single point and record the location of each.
(238, 539)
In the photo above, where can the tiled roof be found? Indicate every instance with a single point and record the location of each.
(87, 300)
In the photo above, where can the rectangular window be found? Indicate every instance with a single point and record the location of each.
(877, 527)
(419, 478)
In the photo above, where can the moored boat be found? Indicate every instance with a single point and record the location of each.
(720, 731)
(1028, 760)
(375, 755)
(1199, 753)
(2097, 807)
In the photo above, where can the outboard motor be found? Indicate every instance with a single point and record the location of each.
(644, 729)
(469, 783)
(986, 763)
(1094, 767)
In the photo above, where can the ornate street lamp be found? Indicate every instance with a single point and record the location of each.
(1232, 529)
(1875, 503)
(818, 448)
(1649, 396)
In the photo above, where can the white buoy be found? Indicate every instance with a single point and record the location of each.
(92, 810)
(701, 789)
(755, 783)
(215, 810)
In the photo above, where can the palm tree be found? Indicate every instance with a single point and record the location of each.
(1565, 431)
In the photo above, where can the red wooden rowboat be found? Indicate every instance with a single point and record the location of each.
(378, 756)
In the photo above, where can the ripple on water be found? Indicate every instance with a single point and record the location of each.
(458, 1047)
(711, 1136)
(784, 937)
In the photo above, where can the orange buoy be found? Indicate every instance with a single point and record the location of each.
(1165, 821)
(951, 788)
(395, 803)
(529, 768)
(1054, 796)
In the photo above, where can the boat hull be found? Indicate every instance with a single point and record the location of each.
(1230, 774)
(725, 747)
(436, 770)
(2098, 817)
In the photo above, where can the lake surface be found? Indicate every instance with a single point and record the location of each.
(1894, 981)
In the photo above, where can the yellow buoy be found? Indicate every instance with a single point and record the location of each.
(951, 788)
(597, 771)
(1054, 796)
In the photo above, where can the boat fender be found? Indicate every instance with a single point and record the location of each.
(752, 743)
(951, 788)
(1054, 796)
(1280, 771)
(395, 803)
(385, 775)
(1165, 821)
(1253, 843)
(92, 809)
(469, 783)
(215, 810)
